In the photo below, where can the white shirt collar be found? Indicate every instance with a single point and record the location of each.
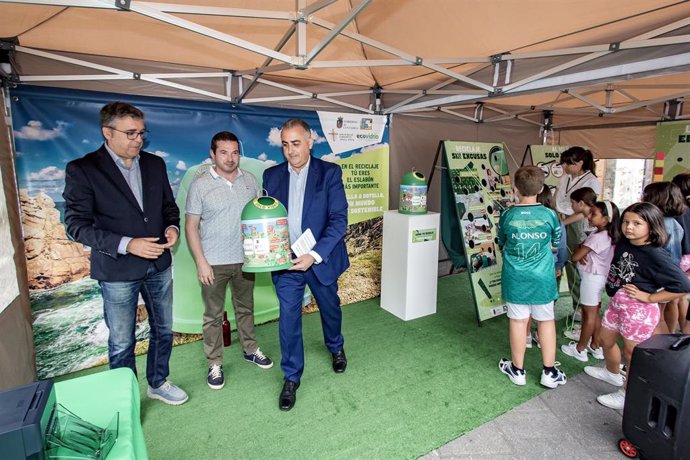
(304, 168)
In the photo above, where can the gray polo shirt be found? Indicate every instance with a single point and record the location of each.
(220, 202)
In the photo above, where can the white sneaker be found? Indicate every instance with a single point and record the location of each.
(552, 381)
(168, 393)
(574, 333)
(506, 366)
(528, 343)
(604, 375)
(614, 400)
(577, 316)
(535, 337)
(571, 350)
(597, 353)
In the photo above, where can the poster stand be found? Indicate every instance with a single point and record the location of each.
(476, 188)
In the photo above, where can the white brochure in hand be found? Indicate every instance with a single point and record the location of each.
(304, 243)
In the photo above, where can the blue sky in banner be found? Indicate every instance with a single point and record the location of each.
(52, 127)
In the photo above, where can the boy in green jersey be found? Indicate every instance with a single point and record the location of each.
(528, 233)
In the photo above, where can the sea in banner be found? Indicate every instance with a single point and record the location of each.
(69, 329)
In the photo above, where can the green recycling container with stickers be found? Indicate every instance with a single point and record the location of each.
(413, 193)
(265, 236)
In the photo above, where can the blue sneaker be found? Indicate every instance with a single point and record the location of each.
(552, 381)
(259, 359)
(215, 379)
(517, 377)
(168, 393)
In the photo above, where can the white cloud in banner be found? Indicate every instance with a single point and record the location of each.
(317, 139)
(34, 131)
(85, 141)
(19, 154)
(263, 156)
(162, 154)
(181, 166)
(332, 157)
(273, 138)
(48, 173)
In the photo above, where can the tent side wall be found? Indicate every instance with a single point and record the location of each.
(414, 140)
(16, 337)
(613, 142)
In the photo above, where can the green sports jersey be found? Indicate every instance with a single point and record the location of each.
(527, 233)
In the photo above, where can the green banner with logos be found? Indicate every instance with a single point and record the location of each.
(365, 177)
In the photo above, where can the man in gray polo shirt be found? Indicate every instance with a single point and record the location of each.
(215, 201)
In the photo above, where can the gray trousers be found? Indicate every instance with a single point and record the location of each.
(575, 234)
(242, 291)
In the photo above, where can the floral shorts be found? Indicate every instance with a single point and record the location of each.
(685, 264)
(631, 318)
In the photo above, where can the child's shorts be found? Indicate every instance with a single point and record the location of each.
(591, 288)
(540, 312)
(632, 319)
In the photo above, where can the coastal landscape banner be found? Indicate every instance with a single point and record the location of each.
(54, 126)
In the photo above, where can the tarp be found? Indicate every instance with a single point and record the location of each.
(620, 59)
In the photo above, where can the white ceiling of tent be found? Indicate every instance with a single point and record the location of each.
(481, 61)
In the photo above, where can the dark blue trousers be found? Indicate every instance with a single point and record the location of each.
(290, 290)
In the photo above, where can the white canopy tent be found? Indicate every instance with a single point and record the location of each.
(481, 62)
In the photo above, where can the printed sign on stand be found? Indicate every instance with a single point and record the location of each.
(482, 189)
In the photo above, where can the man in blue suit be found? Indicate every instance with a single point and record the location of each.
(312, 191)
(118, 201)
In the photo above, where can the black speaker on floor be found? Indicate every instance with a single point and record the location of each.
(656, 418)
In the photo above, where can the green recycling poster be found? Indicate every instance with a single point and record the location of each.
(547, 158)
(672, 149)
(480, 180)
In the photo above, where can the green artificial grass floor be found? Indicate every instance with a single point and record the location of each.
(409, 387)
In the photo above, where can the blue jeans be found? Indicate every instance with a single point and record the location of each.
(120, 300)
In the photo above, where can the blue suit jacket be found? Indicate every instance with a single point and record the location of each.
(100, 209)
(324, 212)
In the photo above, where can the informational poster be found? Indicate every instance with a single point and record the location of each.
(481, 187)
(672, 149)
(9, 290)
(547, 158)
(365, 173)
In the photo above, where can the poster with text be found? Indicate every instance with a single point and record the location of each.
(547, 157)
(481, 186)
(672, 149)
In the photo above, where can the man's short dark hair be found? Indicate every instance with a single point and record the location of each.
(115, 110)
(223, 136)
(294, 122)
(529, 180)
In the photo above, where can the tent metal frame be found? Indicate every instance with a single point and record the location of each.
(419, 100)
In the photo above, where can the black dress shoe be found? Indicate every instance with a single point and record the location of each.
(339, 362)
(288, 395)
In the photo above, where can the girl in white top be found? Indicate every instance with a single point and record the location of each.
(578, 169)
(593, 259)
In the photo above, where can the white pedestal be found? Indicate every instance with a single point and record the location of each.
(410, 264)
